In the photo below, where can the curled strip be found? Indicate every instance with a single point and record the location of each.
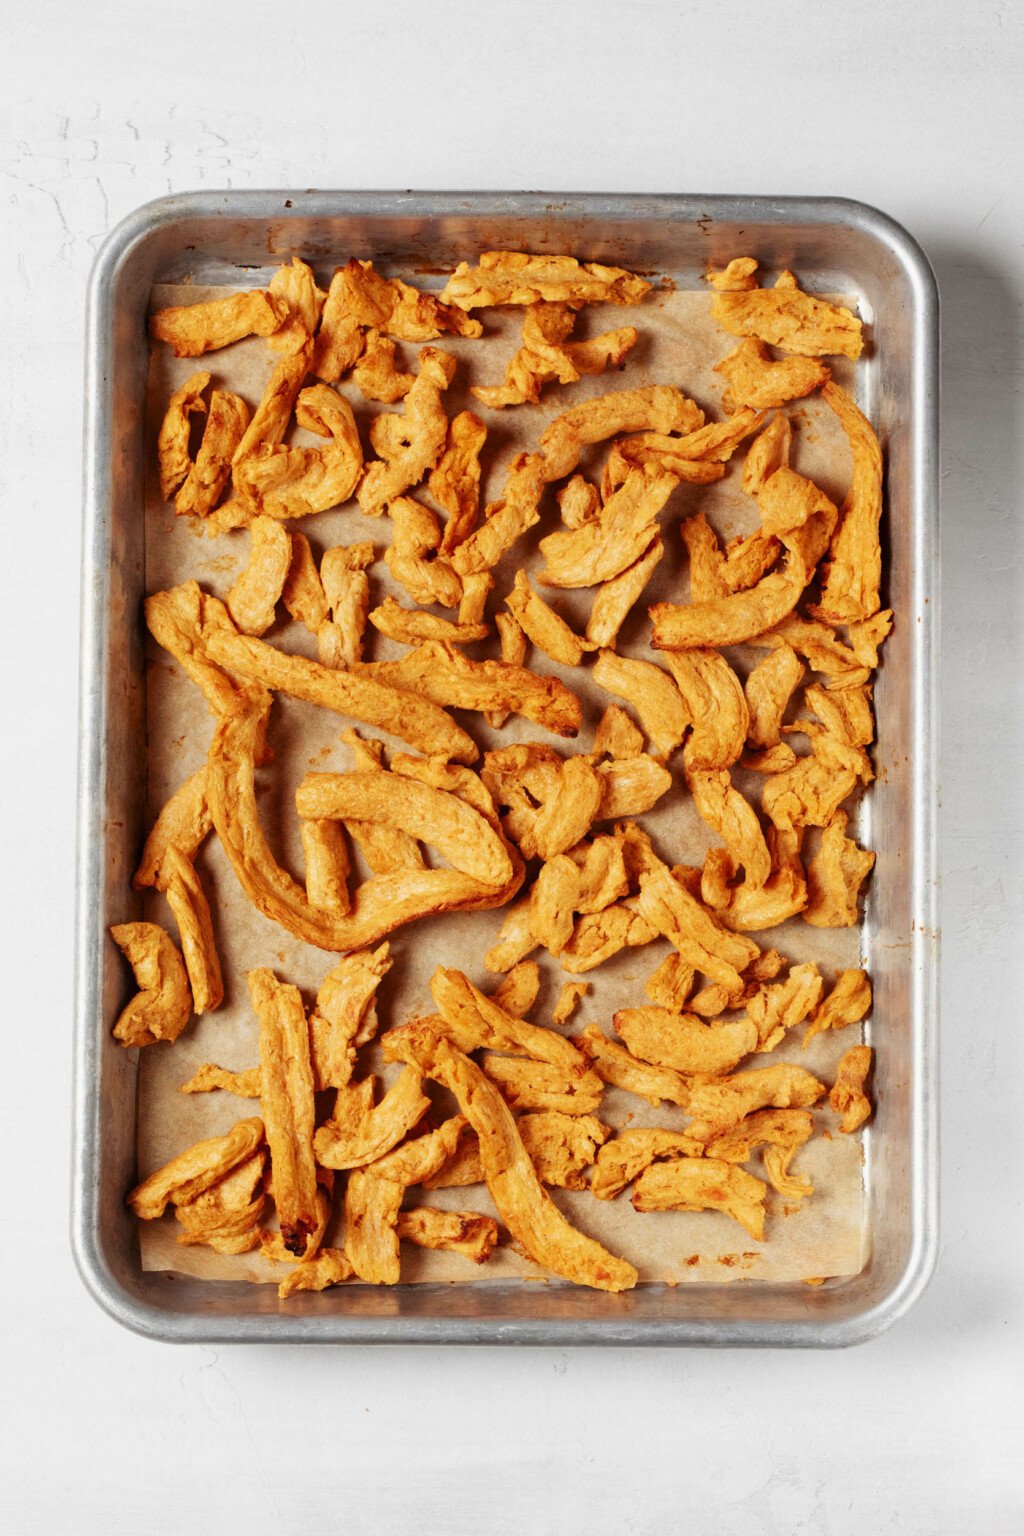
(378, 907)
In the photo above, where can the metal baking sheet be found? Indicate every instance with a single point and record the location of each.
(213, 238)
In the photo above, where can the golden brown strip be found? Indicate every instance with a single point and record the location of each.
(380, 1129)
(286, 1101)
(184, 821)
(192, 329)
(703, 1184)
(195, 1170)
(465, 1232)
(615, 1065)
(163, 1004)
(187, 900)
(847, 1097)
(359, 695)
(515, 1189)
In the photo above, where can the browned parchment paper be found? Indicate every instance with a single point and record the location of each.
(679, 344)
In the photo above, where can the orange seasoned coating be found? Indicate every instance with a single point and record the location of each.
(847, 1097)
(410, 444)
(791, 320)
(835, 876)
(703, 1184)
(757, 381)
(377, 376)
(297, 286)
(303, 593)
(542, 626)
(694, 929)
(163, 1004)
(546, 356)
(253, 599)
(195, 1170)
(561, 1146)
(437, 672)
(187, 900)
(717, 1106)
(454, 482)
(615, 597)
(769, 688)
(465, 1232)
(737, 276)
(683, 1042)
(853, 575)
(610, 542)
(661, 707)
(192, 329)
(289, 482)
(622, 1069)
(511, 1179)
(515, 277)
(848, 1002)
(287, 1105)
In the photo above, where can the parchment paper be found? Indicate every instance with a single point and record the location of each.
(822, 1237)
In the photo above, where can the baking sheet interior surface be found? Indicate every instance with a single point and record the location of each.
(825, 1237)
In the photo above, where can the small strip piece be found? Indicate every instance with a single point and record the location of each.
(454, 483)
(373, 1198)
(345, 1015)
(655, 697)
(253, 599)
(547, 356)
(768, 689)
(163, 1004)
(438, 673)
(173, 460)
(184, 821)
(683, 1042)
(339, 638)
(376, 375)
(847, 1097)
(607, 544)
(694, 930)
(848, 1002)
(542, 625)
(738, 276)
(192, 329)
(624, 1159)
(359, 695)
(568, 1000)
(514, 277)
(195, 1170)
(410, 444)
(758, 382)
(465, 1232)
(853, 575)
(379, 1130)
(303, 594)
(327, 865)
(187, 900)
(835, 876)
(791, 320)
(615, 1065)
(717, 1106)
(614, 598)
(703, 1184)
(562, 1146)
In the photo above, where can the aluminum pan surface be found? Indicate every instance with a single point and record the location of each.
(831, 242)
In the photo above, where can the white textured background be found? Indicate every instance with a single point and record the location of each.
(915, 107)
